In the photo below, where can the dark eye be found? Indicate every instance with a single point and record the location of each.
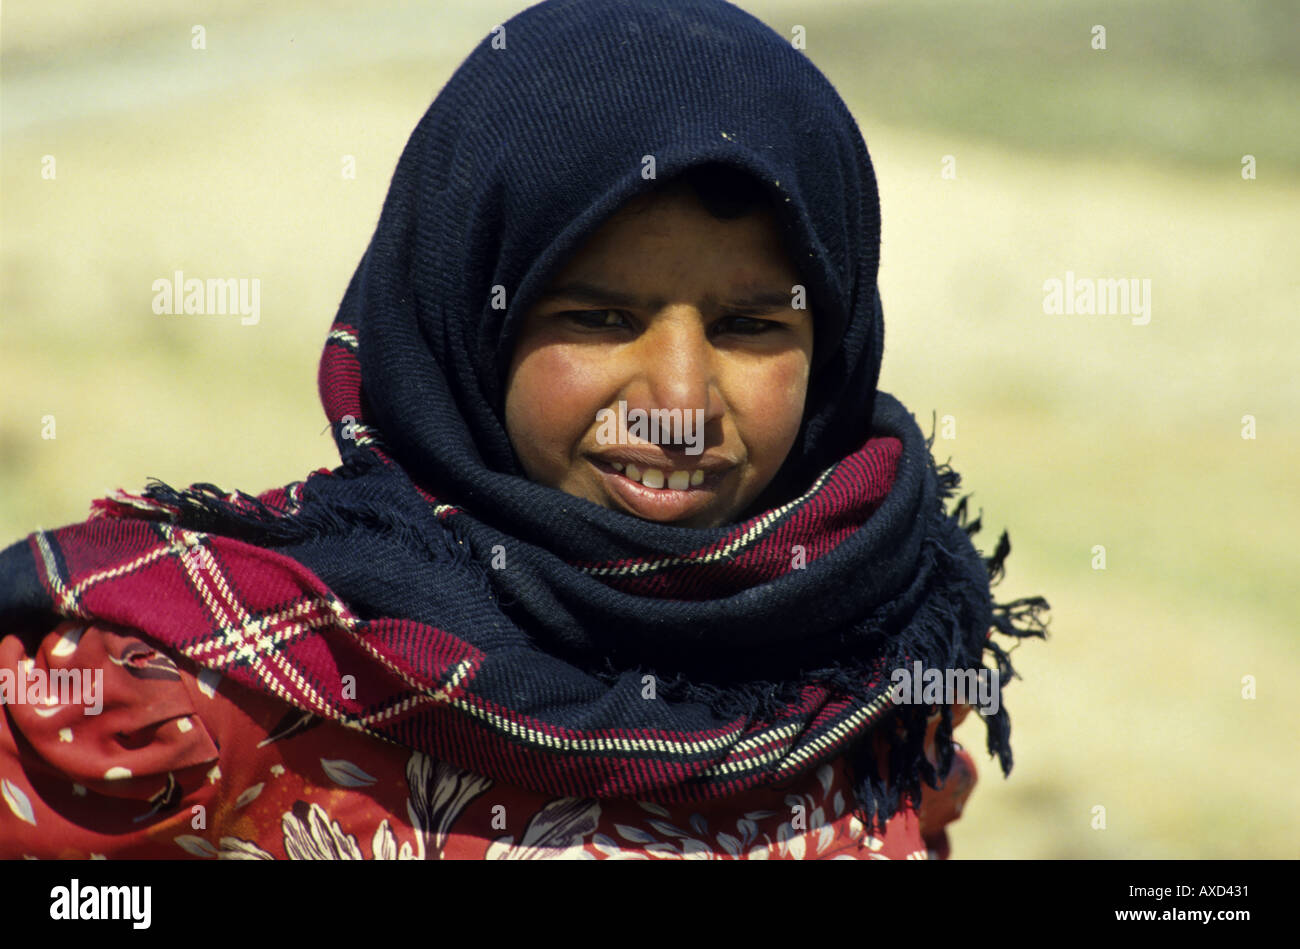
(595, 319)
(745, 325)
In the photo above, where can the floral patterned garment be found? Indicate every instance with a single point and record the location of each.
(188, 763)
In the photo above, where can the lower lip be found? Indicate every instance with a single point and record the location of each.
(658, 504)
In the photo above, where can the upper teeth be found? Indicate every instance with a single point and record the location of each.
(654, 477)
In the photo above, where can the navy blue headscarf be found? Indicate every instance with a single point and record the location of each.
(531, 145)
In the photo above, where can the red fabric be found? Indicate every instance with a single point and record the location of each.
(186, 763)
(268, 621)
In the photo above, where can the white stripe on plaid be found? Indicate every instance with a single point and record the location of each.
(835, 734)
(210, 583)
(365, 435)
(795, 759)
(71, 598)
(347, 339)
(440, 694)
(744, 540)
(214, 590)
(67, 598)
(780, 734)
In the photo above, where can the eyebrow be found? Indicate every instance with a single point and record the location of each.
(763, 301)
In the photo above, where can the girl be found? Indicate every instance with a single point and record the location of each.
(519, 620)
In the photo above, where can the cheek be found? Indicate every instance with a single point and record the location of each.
(775, 404)
(551, 402)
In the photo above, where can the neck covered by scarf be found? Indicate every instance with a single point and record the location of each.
(427, 593)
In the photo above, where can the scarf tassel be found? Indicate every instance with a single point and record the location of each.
(878, 798)
(328, 508)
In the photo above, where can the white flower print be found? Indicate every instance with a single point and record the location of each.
(814, 837)
(697, 843)
(232, 848)
(309, 834)
(556, 832)
(440, 792)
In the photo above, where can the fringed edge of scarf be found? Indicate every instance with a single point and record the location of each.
(205, 507)
(877, 799)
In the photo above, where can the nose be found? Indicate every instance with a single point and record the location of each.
(676, 366)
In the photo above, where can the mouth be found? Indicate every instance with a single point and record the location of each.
(659, 494)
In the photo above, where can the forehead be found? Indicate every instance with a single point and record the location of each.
(673, 234)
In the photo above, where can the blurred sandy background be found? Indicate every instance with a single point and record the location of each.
(1073, 431)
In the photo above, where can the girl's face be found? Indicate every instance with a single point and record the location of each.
(665, 307)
